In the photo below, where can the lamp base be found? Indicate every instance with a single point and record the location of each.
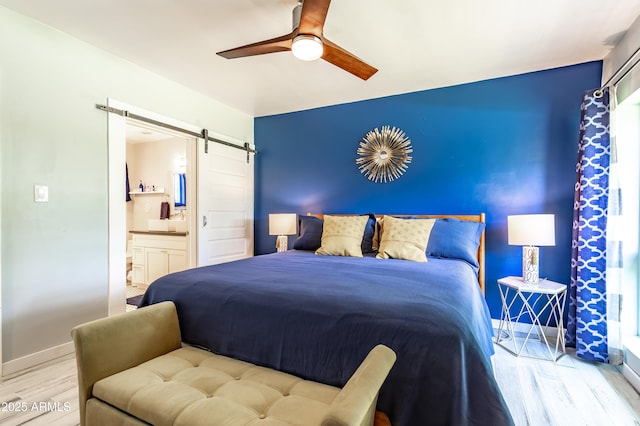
(281, 243)
(530, 265)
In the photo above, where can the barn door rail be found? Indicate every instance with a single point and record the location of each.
(204, 134)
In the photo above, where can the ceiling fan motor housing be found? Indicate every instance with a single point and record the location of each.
(295, 18)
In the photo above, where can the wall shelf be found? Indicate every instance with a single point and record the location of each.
(147, 193)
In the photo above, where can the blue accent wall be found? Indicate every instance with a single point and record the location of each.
(502, 146)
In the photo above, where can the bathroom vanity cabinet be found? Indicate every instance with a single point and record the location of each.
(157, 253)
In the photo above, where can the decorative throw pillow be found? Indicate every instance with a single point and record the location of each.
(405, 238)
(342, 235)
(455, 239)
(310, 234)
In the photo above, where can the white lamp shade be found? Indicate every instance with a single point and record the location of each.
(282, 223)
(531, 230)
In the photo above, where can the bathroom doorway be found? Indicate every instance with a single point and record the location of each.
(159, 207)
(219, 197)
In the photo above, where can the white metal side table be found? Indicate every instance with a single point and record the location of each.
(541, 303)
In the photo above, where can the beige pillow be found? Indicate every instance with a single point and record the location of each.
(405, 238)
(342, 235)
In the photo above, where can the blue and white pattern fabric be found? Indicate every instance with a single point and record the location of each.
(587, 316)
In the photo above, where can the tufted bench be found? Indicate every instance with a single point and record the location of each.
(134, 370)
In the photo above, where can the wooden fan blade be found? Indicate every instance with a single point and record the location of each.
(312, 17)
(278, 44)
(345, 60)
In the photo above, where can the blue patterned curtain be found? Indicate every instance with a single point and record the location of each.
(587, 327)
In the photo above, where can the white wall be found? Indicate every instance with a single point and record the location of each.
(154, 164)
(54, 262)
(623, 50)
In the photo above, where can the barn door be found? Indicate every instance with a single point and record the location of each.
(225, 204)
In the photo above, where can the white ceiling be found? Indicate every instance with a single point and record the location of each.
(416, 44)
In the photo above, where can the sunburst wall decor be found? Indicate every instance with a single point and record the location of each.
(384, 154)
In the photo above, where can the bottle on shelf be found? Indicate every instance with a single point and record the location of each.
(141, 186)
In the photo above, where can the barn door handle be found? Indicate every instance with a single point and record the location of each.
(204, 221)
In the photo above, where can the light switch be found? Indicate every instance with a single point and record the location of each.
(40, 193)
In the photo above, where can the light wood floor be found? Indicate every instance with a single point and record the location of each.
(571, 392)
(133, 291)
(44, 396)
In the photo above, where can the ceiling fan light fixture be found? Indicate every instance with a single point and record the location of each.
(307, 47)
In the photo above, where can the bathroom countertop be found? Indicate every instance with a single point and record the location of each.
(176, 233)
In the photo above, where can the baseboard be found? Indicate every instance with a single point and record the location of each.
(631, 367)
(631, 376)
(32, 360)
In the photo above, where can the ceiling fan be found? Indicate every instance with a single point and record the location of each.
(307, 42)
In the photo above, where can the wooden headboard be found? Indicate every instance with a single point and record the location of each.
(470, 217)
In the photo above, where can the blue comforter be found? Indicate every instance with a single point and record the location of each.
(318, 316)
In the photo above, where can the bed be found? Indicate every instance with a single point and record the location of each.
(318, 316)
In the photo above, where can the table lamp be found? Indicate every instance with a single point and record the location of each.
(282, 225)
(530, 231)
